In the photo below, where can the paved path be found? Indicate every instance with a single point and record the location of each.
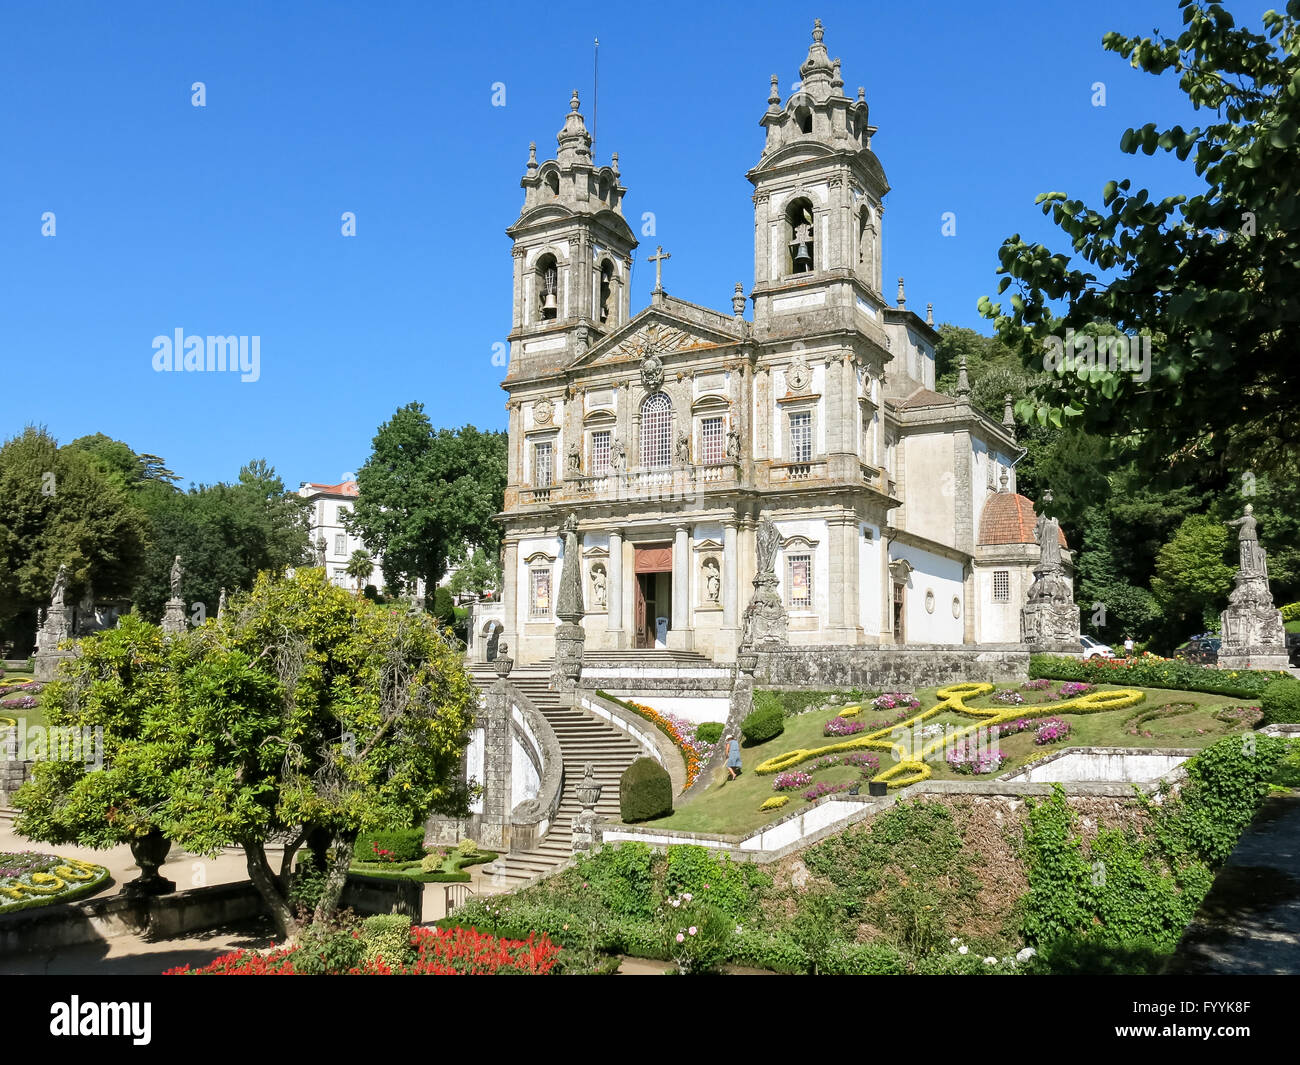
(1249, 923)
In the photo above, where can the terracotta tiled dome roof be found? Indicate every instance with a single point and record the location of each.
(1009, 518)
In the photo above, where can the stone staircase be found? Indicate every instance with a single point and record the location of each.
(582, 739)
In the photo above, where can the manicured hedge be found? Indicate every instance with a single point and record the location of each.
(762, 724)
(1281, 703)
(791, 703)
(645, 791)
(709, 732)
(1291, 612)
(404, 845)
(1156, 673)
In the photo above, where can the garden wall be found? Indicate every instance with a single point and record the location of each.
(94, 920)
(889, 668)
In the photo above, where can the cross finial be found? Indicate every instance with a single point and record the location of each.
(658, 260)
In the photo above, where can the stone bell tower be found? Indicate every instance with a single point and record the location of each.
(818, 190)
(572, 253)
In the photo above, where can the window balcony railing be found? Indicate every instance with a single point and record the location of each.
(638, 483)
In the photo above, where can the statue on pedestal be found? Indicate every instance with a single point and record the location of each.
(1253, 634)
(765, 621)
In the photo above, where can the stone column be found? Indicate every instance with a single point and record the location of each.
(510, 599)
(494, 831)
(680, 636)
(614, 587)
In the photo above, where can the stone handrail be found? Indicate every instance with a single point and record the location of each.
(531, 819)
(646, 735)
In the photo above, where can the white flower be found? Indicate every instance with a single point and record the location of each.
(680, 937)
(952, 942)
(1026, 954)
(963, 949)
(676, 902)
(990, 961)
(687, 896)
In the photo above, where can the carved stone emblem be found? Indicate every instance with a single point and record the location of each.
(798, 376)
(543, 412)
(652, 370)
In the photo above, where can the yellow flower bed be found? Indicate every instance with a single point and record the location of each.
(775, 802)
(911, 768)
(7, 722)
(37, 884)
(851, 711)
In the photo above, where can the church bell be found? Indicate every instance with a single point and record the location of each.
(548, 304)
(802, 258)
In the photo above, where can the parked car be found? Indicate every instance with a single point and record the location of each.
(1202, 649)
(1095, 648)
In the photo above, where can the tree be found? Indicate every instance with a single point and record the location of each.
(1210, 277)
(360, 567)
(1191, 581)
(477, 574)
(304, 714)
(58, 506)
(424, 493)
(225, 534)
(121, 463)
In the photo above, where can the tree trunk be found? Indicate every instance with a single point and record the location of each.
(271, 889)
(335, 877)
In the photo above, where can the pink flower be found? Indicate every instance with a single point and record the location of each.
(681, 938)
(693, 930)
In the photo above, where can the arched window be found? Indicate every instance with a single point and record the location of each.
(552, 180)
(657, 431)
(799, 237)
(866, 246)
(547, 288)
(606, 291)
(803, 118)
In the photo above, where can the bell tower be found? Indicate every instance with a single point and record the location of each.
(818, 192)
(572, 253)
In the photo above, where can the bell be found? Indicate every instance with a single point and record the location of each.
(802, 258)
(549, 303)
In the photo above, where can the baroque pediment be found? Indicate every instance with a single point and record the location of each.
(656, 331)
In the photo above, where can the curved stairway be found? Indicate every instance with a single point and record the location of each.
(583, 739)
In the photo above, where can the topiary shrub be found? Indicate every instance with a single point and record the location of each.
(645, 791)
(387, 936)
(762, 724)
(400, 845)
(1280, 702)
(1291, 612)
(444, 607)
(709, 731)
(467, 847)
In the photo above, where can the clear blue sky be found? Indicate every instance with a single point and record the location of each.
(226, 219)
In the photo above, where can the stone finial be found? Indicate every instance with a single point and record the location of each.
(738, 301)
(902, 298)
(818, 32)
(929, 314)
(613, 163)
(1004, 478)
(1008, 416)
(532, 158)
(503, 662)
(862, 95)
(837, 81)
(573, 102)
(774, 96)
(963, 381)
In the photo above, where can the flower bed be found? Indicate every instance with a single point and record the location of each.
(896, 701)
(32, 687)
(30, 878)
(438, 952)
(1151, 671)
(976, 760)
(695, 752)
(1008, 697)
(821, 789)
(1052, 730)
(792, 781)
(21, 702)
(1072, 688)
(841, 726)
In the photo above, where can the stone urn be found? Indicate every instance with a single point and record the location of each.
(503, 662)
(149, 852)
(747, 661)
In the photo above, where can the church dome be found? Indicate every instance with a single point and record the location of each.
(1009, 518)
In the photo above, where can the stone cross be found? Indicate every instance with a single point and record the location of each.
(658, 260)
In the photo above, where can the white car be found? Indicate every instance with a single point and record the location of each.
(1093, 649)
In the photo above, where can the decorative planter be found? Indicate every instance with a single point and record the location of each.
(149, 852)
(877, 790)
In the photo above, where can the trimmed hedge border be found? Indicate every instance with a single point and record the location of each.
(412, 870)
(1158, 673)
(102, 879)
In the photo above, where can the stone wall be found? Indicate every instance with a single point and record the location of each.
(13, 772)
(889, 668)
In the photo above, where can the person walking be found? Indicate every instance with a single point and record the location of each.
(1128, 646)
(733, 757)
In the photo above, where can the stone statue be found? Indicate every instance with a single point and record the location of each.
(60, 586)
(617, 456)
(768, 541)
(320, 551)
(1253, 634)
(712, 581)
(683, 449)
(221, 603)
(1253, 560)
(178, 572)
(733, 445)
(575, 459)
(598, 585)
(1047, 534)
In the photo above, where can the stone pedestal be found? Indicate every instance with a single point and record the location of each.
(1253, 634)
(52, 633)
(1049, 620)
(766, 623)
(570, 639)
(174, 616)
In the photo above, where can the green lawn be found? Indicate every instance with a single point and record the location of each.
(731, 807)
(34, 716)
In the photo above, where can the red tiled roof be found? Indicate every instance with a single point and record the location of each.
(1009, 518)
(346, 488)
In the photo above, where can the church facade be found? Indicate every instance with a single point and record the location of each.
(671, 432)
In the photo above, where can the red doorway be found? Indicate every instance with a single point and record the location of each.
(653, 566)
